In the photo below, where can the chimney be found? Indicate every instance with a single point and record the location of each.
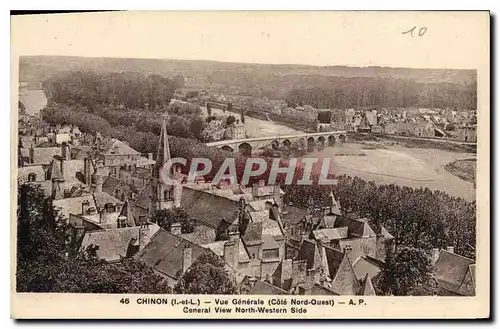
(434, 255)
(65, 151)
(150, 156)
(450, 249)
(31, 154)
(176, 229)
(143, 236)
(177, 194)
(187, 257)
(62, 168)
(255, 190)
(234, 236)
(348, 252)
(98, 182)
(87, 163)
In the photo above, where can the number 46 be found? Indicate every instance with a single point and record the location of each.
(124, 300)
(421, 31)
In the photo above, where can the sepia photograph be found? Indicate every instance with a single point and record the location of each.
(307, 165)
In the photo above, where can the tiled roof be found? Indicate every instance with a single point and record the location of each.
(42, 155)
(201, 235)
(360, 247)
(207, 207)
(217, 247)
(73, 205)
(308, 253)
(357, 227)
(451, 269)
(367, 287)
(110, 184)
(258, 205)
(328, 221)
(126, 211)
(116, 146)
(385, 233)
(334, 258)
(38, 170)
(330, 233)
(318, 289)
(264, 288)
(269, 242)
(293, 215)
(102, 198)
(165, 253)
(253, 232)
(114, 243)
(71, 168)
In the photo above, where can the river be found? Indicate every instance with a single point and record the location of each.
(33, 100)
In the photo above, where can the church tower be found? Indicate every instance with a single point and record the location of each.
(162, 195)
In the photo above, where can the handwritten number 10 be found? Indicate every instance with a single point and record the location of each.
(421, 31)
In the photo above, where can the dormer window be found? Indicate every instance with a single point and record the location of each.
(122, 222)
(31, 177)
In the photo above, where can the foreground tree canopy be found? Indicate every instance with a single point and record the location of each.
(406, 272)
(206, 276)
(47, 261)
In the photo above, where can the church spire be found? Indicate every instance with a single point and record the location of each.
(163, 152)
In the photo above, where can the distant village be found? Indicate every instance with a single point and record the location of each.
(412, 122)
(108, 192)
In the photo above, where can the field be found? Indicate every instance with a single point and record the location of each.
(465, 169)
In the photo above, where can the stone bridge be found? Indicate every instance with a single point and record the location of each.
(306, 141)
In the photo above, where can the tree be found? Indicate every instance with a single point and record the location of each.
(230, 120)
(166, 217)
(178, 81)
(21, 108)
(242, 117)
(206, 276)
(406, 272)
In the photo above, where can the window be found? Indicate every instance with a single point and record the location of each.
(122, 222)
(168, 195)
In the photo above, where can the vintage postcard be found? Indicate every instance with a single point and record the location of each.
(251, 165)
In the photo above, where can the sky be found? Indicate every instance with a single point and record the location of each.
(451, 40)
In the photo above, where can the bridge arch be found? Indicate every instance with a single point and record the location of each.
(310, 144)
(321, 143)
(245, 149)
(227, 148)
(331, 140)
(287, 143)
(302, 143)
(342, 138)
